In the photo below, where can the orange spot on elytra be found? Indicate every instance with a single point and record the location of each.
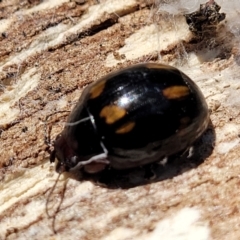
(126, 128)
(97, 89)
(175, 92)
(112, 113)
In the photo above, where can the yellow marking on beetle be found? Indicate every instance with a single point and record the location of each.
(176, 92)
(97, 89)
(125, 128)
(112, 113)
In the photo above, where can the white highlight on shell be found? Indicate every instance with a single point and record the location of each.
(100, 158)
(77, 122)
(163, 161)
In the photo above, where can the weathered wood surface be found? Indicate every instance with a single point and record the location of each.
(49, 51)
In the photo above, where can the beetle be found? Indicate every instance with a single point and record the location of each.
(132, 117)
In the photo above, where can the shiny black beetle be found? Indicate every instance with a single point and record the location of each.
(132, 117)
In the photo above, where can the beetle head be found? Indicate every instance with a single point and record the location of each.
(64, 153)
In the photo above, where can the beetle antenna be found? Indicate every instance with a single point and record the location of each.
(59, 205)
(47, 130)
